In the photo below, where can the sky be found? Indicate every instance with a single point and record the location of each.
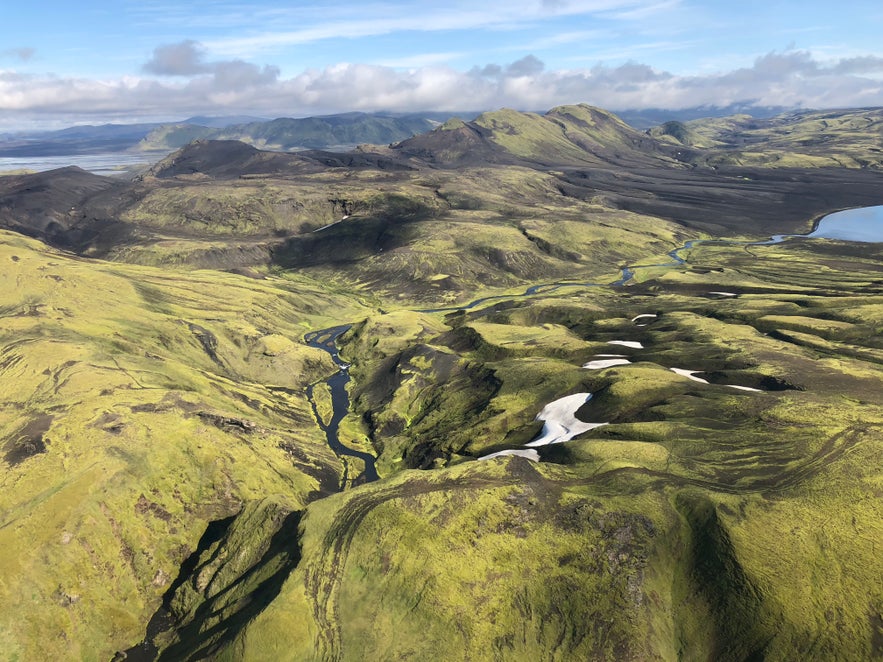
(94, 61)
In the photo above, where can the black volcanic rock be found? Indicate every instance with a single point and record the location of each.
(456, 144)
(67, 207)
(218, 158)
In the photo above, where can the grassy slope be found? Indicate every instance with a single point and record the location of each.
(704, 522)
(137, 407)
(848, 139)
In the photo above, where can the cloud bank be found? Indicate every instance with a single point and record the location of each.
(178, 81)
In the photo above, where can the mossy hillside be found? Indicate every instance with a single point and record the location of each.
(732, 469)
(678, 133)
(213, 363)
(487, 517)
(484, 245)
(577, 134)
(238, 568)
(138, 406)
(730, 341)
(849, 138)
(266, 205)
(461, 563)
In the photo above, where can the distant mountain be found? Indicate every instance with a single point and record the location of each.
(327, 132)
(86, 139)
(337, 132)
(285, 134)
(646, 118)
(223, 121)
(220, 187)
(803, 139)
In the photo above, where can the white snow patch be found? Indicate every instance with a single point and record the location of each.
(644, 316)
(634, 344)
(529, 453)
(325, 227)
(611, 356)
(605, 363)
(745, 388)
(689, 374)
(560, 421)
(725, 294)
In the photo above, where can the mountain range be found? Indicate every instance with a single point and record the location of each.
(338, 132)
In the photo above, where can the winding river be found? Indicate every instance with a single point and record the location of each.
(864, 224)
(326, 340)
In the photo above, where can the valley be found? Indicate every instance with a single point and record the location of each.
(177, 353)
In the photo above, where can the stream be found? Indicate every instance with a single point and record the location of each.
(864, 224)
(326, 340)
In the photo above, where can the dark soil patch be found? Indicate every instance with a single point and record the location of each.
(28, 441)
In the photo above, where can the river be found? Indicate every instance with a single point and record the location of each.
(863, 224)
(326, 340)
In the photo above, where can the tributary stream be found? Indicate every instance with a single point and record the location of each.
(863, 224)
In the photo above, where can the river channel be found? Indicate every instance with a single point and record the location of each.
(863, 224)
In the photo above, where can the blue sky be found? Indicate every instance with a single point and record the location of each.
(94, 61)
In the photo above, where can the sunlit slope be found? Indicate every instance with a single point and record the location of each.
(705, 520)
(565, 136)
(605, 559)
(811, 139)
(137, 406)
(462, 234)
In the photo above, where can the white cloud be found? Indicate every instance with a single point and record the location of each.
(183, 59)
(793, 78)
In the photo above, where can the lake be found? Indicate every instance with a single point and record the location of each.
(862, 224)
(110, 163)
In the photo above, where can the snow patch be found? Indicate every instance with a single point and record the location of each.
(560, 421)
(634, 344)
(689, 374)
(605, 363)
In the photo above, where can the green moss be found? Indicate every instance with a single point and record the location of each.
(149, 399)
